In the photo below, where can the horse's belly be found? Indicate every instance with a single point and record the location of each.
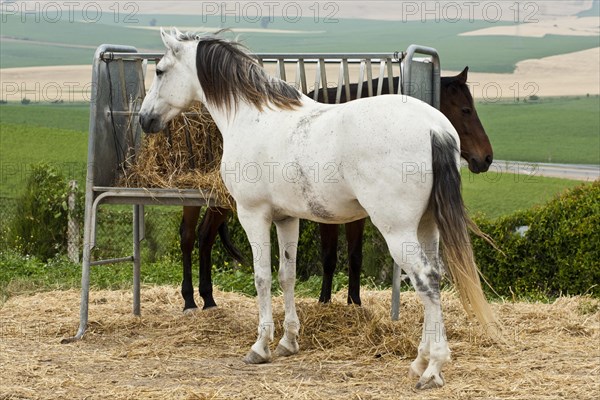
(324, 209)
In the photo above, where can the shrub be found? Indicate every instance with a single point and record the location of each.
(558, 254)
(39, 226)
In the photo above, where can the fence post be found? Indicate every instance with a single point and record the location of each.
(73, 225)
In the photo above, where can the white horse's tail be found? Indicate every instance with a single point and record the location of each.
(453, 223)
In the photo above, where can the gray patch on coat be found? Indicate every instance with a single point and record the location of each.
(304, 124)
(317, 208)
(430, 285)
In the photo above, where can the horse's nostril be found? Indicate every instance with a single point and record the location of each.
(489, 159)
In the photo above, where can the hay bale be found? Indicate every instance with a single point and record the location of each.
(187, 155)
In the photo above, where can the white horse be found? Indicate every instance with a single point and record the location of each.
(392, 158)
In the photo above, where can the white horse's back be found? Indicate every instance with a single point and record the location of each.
(319, 158)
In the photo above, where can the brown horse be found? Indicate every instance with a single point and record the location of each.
(456, 104)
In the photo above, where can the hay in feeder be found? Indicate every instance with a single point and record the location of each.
(187, 155)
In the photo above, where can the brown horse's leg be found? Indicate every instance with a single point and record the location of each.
(329, 241)
(354, 236)
(207, 233)
(187, 234)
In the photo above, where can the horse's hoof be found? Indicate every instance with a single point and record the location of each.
(190, 311)
(282, 351)
(433, 382)
(254, 358)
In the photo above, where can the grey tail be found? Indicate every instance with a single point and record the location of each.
(453, 223)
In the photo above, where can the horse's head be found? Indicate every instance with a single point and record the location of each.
(457, 105)
(175, 85)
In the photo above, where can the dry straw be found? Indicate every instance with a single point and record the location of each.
(187, 155)
(347, 352)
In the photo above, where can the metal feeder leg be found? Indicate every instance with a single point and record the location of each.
(396, 280)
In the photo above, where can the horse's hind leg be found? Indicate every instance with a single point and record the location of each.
(354, 236)
(207, 234)
(187, 234)
(433, 350)
(287, 236)
(411, 255)
(329, 244)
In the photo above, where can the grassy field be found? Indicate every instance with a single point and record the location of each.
(494, 54)
(555, 130)
(497, 194)
(34, 133)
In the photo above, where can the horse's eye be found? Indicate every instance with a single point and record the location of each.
(466, 111)
(159, 72)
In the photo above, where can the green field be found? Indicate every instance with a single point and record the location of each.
(497, 194)
(34, 133)
(492, 54)
(552, 130)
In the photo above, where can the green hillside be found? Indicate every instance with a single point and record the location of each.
(484, 53)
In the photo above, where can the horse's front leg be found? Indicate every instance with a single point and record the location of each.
(329, 243)
(354, 237)
(257, 226)
(207, 234)
(187, 232)
(287, 235)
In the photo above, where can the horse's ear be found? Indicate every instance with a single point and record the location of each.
(463, 76)
(170, 41)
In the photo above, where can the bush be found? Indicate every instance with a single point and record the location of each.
(39, 226)
(558, 254)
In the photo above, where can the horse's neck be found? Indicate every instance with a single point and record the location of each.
(243, 116)
(226, 121)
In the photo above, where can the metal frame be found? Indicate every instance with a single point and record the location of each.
(118, 84)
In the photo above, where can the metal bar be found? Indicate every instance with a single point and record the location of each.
(136, 259)
(302, 70)
(111, 261)
(361, 79)
(338, 92)
(317, 84)
(316, 56)
(118, 113)
(396, 280)
(346, 78)
(108, 54)
(381, 76)
(399, 91)
(436, 75)
(390, 72)
(281, 65)
(323, 74)
(85, 283)
(369, 77)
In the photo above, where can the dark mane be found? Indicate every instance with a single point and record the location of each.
(228, 74)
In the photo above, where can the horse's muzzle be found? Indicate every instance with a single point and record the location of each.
(478, 166)
(151, 123)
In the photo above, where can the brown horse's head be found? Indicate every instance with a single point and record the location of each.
(457, 105)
